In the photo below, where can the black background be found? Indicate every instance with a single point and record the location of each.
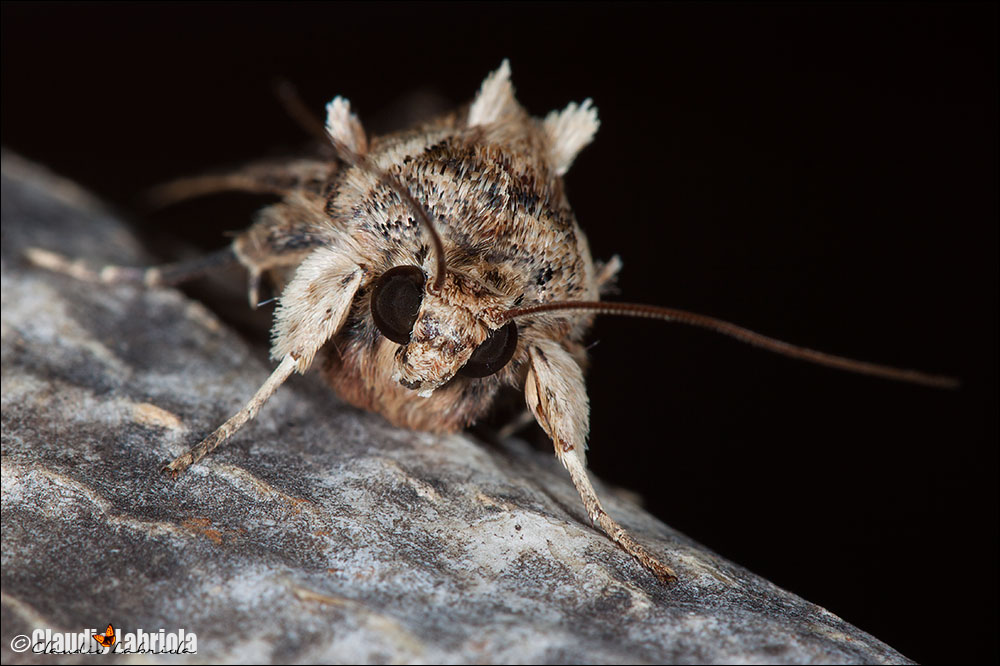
(822, 173)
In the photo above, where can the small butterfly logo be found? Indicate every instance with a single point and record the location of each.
(107, 639)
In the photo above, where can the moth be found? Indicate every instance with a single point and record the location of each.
(424, 270)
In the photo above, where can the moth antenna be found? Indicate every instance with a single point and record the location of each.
(361, 161)
(425, 218)
(738, 332)
(299, 111)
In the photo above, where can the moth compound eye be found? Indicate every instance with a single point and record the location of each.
(396, 301)
(493, 353)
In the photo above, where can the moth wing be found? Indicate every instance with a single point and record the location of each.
(107, 639)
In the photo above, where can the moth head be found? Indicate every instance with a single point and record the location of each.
(441, 332)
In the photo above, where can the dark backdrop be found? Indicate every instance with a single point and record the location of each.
(823, 173)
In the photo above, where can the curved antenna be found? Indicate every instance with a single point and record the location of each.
(424, 216)
(738, 332)
(298, 110)
(365, 164)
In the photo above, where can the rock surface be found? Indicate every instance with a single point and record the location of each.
(322, 534)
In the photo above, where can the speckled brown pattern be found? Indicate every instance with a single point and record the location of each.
(510, 238)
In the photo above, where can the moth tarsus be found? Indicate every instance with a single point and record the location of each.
(154, 276)
(429, 269)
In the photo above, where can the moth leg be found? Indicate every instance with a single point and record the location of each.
(310, 311)
(237, 421)
(278, 177)
(282, 237)
(516, 424)
(152, 276)
(555, 393)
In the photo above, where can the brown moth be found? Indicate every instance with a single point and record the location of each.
(429, 268)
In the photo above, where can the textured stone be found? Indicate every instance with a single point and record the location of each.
(322, 533)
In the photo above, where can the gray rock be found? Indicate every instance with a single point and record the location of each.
(322, 533)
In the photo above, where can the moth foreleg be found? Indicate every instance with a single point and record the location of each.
(556, 395)
(518, 423)
(237, 421)
(311, 310)
(149, 276)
